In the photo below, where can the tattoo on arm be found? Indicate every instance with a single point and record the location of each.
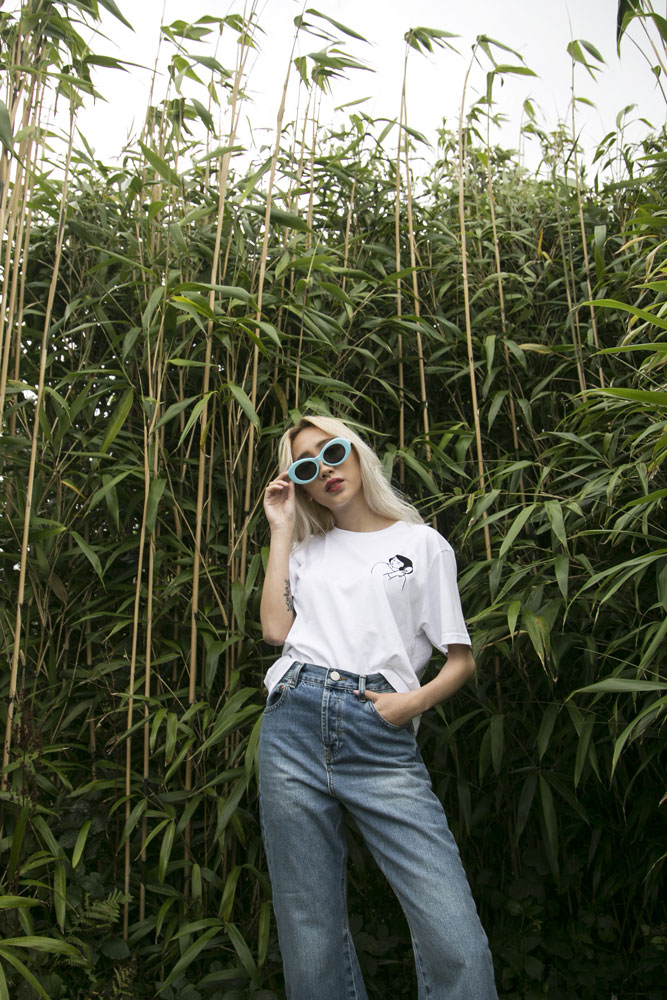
(289, 600)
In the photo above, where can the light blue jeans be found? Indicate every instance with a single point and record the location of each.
(324, 750)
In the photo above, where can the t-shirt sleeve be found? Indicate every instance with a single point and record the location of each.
(294, 566)
(442, 620)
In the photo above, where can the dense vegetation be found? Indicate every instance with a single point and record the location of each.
(500, 337)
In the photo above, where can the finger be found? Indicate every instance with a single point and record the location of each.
(282, 482)
(370, 695)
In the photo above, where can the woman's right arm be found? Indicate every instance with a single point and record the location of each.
(276, 610)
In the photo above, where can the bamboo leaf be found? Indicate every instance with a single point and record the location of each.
(7, 953)
(108, 487)
(515, 528)
(89, 553)
(132, 820)
(555, 515)
(279, 217)
(154, 496)
(117, 419)
(644, 314)
(113, 8)
(244, 953)
(238, 604)
(160, 165)
(263, 932)
(6, 137)
(648, 713)
(243, 400)
(228, 808)
(17, 839)
(204, 114)
(194, 416)
(80, 844)
(190, 955)
(620, 685)
(513, 612)
(525, 803)
(59, 894)
(20, 902)
(583, 749)
(165, 851)
(53, 946)
(497, 735)
(546, 729)
(337, 24)
(549, 815)
(653, 397)
(562, 569)
(626, 11)
(175, 408)
(516, 70)
(171, 737)
(536, 631)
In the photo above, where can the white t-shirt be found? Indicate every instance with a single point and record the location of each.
(373, 602)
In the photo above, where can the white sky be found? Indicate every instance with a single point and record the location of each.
(539, 29)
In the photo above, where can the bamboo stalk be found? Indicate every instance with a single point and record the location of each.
(572, 318)
(130, 699)
(501, 296)
(415, 287)
(260, 290)
(223, 176)
(399, 285)
(201, 473)
(23, 562)
(582, 226)
(466, 301)
(17, 232)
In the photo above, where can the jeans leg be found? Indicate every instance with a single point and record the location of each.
(388, 791)
(302, 826)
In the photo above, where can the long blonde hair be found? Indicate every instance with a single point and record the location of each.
(381, 497)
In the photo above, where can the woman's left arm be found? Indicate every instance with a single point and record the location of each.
(400, 706)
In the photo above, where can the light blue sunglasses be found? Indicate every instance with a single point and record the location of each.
(304, 470)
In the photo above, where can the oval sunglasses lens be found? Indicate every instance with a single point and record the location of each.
(306, 471)
(333, 454)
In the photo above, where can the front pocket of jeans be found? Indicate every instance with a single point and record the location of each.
(276, 697)
(386, 722)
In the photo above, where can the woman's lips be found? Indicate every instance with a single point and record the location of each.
(333, 485)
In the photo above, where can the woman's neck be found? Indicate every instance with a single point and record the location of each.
(361, 518)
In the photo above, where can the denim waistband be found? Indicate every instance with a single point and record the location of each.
(332, 677)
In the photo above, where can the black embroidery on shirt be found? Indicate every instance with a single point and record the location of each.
(398, 568)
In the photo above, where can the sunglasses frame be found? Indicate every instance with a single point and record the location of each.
(291, 472)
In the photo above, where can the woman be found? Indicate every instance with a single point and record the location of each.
(358, 602)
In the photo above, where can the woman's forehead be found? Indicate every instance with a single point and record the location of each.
(309, 441)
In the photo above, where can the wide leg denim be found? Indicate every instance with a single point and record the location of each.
(324, 750)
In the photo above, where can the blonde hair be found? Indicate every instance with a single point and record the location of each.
(381, 497)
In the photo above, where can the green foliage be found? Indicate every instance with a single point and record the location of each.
(130, 835)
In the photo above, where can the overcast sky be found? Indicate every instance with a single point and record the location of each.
(539, 29)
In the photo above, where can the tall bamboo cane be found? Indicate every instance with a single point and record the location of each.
(223, 176)
(23, 562)
(466, 302)
(399, 285)
(582, 227)
(415, 283)
(501, 291)
(250, 451)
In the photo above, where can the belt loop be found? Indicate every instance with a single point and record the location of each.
(362, 687)
(294, 679)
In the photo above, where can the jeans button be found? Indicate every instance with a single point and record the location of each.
(334, 675)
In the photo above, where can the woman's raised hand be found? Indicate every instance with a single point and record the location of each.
(280, 503)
